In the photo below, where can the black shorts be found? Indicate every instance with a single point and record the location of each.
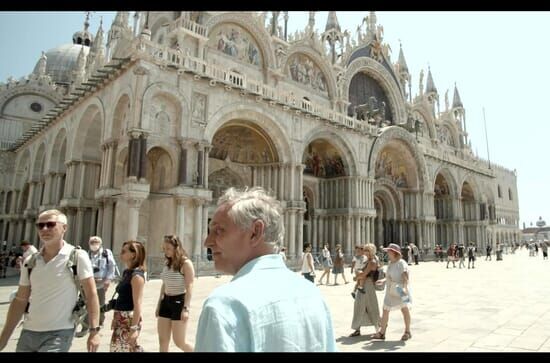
(171, 307)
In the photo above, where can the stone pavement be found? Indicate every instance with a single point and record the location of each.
(500, 306)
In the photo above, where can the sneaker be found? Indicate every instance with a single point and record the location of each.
(81, 333)
(353, 295)
(362, 290)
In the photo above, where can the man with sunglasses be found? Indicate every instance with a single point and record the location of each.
(48, 326)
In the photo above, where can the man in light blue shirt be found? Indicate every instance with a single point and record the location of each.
(104, 265)
(266, 307)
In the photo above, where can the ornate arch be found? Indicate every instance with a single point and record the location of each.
(454, 131)
(449, 178)
(39, 161)
(386, 191)
(428, 118)
(172, 92)
(257, 116)
(346, 150)
(56, 150)
(250, 24)
(468, 178)
(222, 178)
(393, 133)
(93, 109)
(319, 61)
(378, 72)
(112, 113)
(22, 170)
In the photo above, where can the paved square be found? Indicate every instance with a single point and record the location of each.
(498, 306)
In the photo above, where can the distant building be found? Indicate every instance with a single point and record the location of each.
(138, 139)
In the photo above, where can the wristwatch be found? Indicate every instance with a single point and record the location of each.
(94, 330)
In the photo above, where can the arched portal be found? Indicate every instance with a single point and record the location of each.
(397, 192)
(443, 209)
(326, 181)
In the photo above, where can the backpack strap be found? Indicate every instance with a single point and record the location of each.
(105, 255)
(31, 263)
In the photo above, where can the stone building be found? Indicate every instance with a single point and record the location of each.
(138, 138)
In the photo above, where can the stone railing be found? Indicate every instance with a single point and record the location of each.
(189, 25)
(176, 58)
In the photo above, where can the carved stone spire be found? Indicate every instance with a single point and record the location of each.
(457, 103)
(333, 34)
(332, 22)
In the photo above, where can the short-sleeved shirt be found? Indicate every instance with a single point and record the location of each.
(53, 291)
(265, 308)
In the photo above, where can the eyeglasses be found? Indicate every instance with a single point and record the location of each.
(41, 225)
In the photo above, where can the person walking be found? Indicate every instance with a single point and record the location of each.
(472, 255)
(127, 316)
(488, 250)
(266, 307)
(365, 305)
(49, 325)
(104, 267)
(451, 255)
(174, 303)
(398, 294)
(326, 261)
(338, 267)
(308, 268)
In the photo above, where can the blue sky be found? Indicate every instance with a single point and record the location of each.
(499, 61)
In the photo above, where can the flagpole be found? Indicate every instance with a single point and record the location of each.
(486, 139)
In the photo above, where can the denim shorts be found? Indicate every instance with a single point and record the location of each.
(45, 341)
(171, 307)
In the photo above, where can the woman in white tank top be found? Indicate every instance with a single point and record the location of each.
(173, 307)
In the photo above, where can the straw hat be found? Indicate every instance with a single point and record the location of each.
(393, 247)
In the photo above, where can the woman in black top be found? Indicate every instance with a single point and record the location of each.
(127, 313)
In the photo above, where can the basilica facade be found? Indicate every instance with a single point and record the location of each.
(137, 138)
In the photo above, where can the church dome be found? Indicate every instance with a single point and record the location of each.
(62, 61)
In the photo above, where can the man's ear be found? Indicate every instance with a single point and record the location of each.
(258, 228)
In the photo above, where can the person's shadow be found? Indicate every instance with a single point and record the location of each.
(384, 345)
(347, 340)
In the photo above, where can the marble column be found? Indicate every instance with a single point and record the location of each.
(292, 233)
(281, 186)
(204, 229)
(134, 205)
(180, 219)
(314, 234)
(79, 226)
(107, 224)
(207, 149)
(300, 231)
(197, 245)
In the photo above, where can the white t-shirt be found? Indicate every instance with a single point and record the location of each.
(53, 291)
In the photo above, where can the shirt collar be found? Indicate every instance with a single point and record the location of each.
(65, 250)
(270, 261)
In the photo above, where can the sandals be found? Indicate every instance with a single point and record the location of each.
(379, 335)
(355, 334)
(406, 336)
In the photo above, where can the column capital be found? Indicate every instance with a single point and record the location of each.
(181, 200)
(134, 202)
(198, 202)
(186, 142)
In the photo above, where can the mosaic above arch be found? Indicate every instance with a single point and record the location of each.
(302, 69)
(242, 143)
(392, 167)
(233, 40)
(323, 160)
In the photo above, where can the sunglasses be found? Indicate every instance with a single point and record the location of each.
(41, 225)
